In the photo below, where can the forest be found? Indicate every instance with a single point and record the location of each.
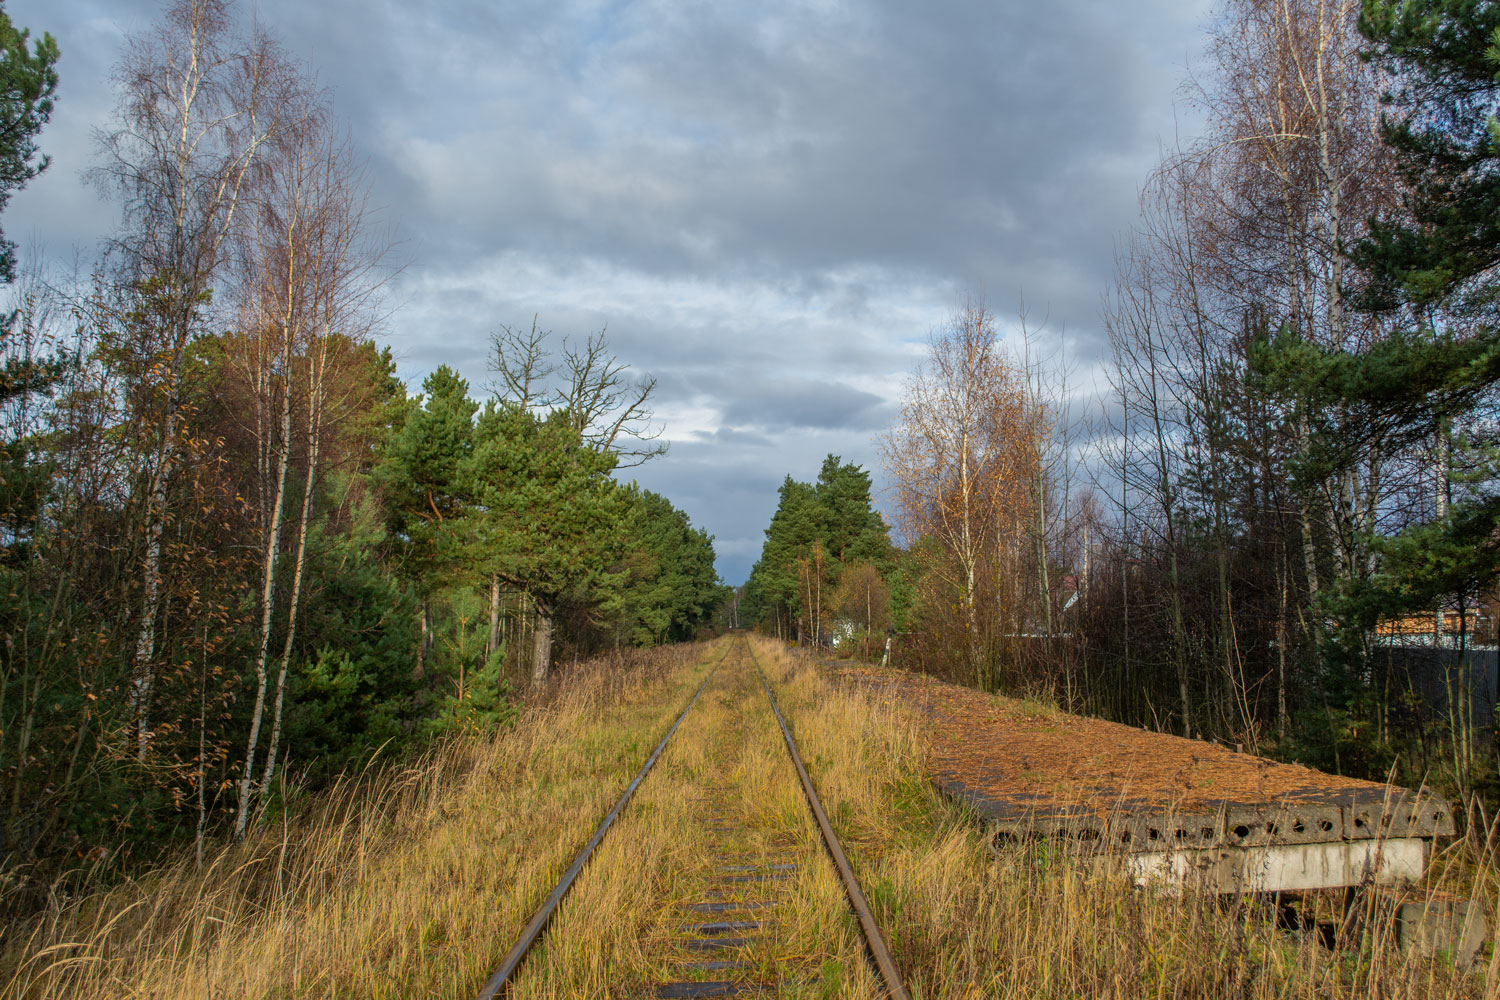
(237, 557)
(1278, 527)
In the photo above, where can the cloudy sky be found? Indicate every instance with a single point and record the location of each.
(769, 203)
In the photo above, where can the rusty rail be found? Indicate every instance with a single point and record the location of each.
(496, 984)
(879, 953)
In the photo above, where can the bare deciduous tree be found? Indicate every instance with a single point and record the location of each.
(607, 408)
(309, 269)
(198, 104)
(961, 458)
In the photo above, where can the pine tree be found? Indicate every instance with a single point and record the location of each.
(774, 586)
(672, 586)
(1431, 271)
(28, 83)
(420, 475)
(854, 529)
(816, 532)
(548, 517)
(1441, 252)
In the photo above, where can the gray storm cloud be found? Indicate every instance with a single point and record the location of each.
(792, 403)
(768, 204)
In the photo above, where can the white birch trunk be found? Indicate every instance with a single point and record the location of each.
(268, 601)
(143, 672)
(314, 427)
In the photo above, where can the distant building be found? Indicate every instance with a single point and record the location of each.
(1448, 652)
(843, 630)
(1452, 626)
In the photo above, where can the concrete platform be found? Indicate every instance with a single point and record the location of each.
(1164, 806)
(1439, 923)
(1285, 868)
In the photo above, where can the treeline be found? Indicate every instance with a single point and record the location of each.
(1305, 357)
(233, 549)
(827, 572)
(1283, 532)
(979, 593)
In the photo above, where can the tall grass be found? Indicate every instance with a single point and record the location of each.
(622, 931)
(1028, 920)
(399, 882)
(412, 881)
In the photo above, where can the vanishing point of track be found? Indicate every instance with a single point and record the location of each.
(719, 936)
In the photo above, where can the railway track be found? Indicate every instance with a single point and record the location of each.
(742, 887)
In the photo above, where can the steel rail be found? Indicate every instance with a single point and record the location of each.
(875, 944)
(496, 984)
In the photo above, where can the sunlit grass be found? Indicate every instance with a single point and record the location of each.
(413, 881)
(1026, 920)
(400, 883)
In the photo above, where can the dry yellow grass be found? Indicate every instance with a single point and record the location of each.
(403, 883)
(1028, 921)
(412, 882)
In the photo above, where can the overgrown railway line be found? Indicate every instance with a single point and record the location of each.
(743, 903)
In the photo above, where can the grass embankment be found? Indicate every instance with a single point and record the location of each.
(408, 882)
(1027, 921)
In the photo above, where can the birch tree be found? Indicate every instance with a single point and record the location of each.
(1245, 231)
(198, 102)
(309, 268)
(960, 460)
